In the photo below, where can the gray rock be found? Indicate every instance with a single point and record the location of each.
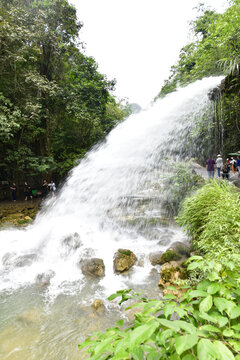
(10, 259)
(180, 247)
(163, 242)
(93, 267)
(25, 260)
(155, 257)
(44, 279)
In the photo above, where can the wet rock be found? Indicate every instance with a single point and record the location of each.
(170, 274)
(6, 259)
(163, 242)
(235, 181)
(98, 305)
(73, 242)
(44, 279)
(10, 259)
(155, 257)
(123, 260)
(93, 267)
(181, 248)
(25, 260)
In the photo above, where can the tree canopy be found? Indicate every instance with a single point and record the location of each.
(54, 103)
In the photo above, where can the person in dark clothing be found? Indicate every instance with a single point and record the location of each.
(27, 191)
(225, 172)
(44, 188)
(14, 191)
(210, 167)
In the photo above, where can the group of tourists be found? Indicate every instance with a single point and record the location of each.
(223, 169)
(29, 192)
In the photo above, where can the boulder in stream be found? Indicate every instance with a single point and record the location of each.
(181, 248)
(43, 280)
(93, 267)
(98, 305)
(123, 260)
(155, 257)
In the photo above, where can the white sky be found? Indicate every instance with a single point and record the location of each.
(137, 41)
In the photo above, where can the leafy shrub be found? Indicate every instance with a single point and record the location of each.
(211, 217)
(207, 324)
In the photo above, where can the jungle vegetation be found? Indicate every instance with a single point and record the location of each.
(54, 103)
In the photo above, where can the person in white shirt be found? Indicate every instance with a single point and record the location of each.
(52, 188)
(219, 164)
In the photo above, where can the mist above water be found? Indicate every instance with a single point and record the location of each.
(88, 217)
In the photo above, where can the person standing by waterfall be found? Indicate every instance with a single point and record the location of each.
(14, 191)
(52, 188)
(219, 165)
(210, 166)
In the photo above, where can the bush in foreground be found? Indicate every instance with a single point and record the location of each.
(207, 324)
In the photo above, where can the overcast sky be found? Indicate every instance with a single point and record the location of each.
(137, 41)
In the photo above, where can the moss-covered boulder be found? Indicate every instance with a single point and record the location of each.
(93, 267)
(169, 255)
(123, 260)
(170, 274)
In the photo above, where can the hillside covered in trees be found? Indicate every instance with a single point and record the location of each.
(214, 50)
(54, 103)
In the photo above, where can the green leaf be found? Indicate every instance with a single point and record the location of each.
(142, 333)
(221, 320)
(190, 328)
(197, 293)
(228, 332)
(213, 276)
(206, 350)
(154, 356)
(169, 324)
(185, 342)
(194, 265)
(213, 288)
(224, 352)
(210, 328)
(163, 336)
(206, 304)
(189, 357)
(168, 310)
(235, 345)
(137, 354)
(235, 312)
(223, 304)
(236, 327)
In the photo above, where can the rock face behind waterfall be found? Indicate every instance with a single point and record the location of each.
(123, 260)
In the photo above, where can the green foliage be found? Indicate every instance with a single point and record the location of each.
(211, 217)
(207, 324)
(54, 104)
(214, 51)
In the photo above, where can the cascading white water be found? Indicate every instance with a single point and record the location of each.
(80, 220)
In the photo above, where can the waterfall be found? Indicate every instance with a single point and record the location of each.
(87, 218)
